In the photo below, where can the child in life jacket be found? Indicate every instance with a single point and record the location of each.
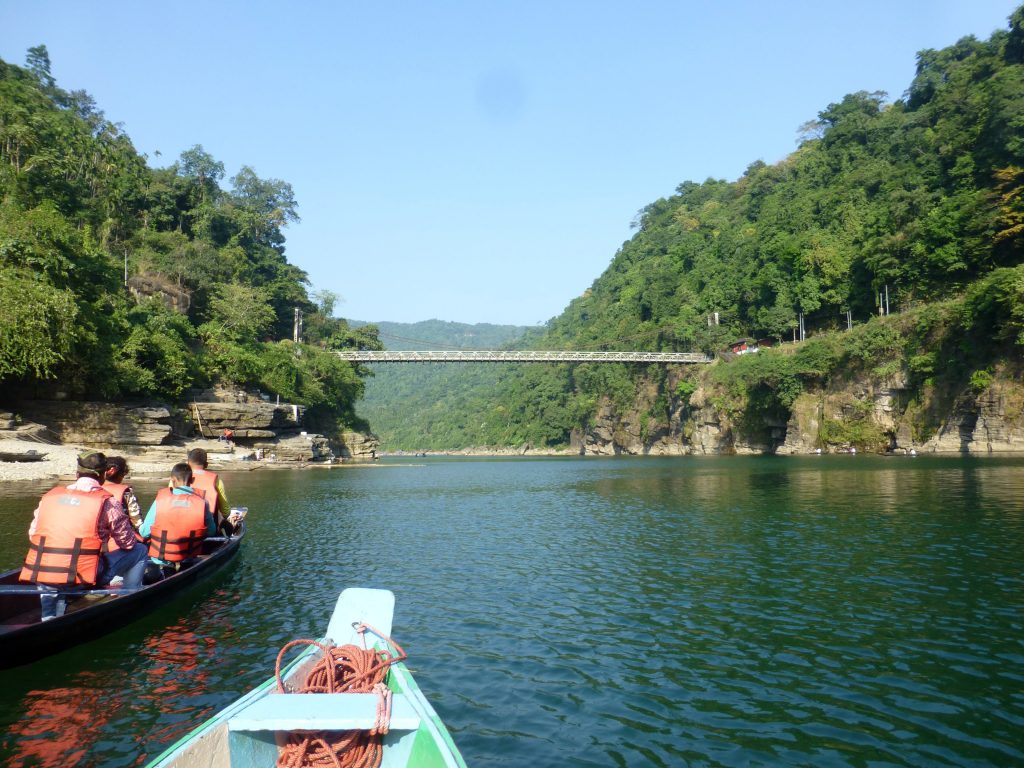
(178, 521)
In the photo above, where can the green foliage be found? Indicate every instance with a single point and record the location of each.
(155, 358)
(238, 312)
(761, 384)
(211, 287)
(36, 325)
(684, 389)
(442, 406)
(862, 434)
(922, 195)
(981, 380)
(994, 307)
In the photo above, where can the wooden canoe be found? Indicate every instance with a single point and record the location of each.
(24, 637)
(246, 732)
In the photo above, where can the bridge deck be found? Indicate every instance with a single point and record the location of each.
(524, 356)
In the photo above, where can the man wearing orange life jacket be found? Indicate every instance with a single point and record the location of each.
(213, 489)
(178, 521)
(67, 534)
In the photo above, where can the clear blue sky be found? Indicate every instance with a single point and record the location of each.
(477, 161)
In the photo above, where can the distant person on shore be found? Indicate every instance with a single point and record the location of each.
(113, 483)
(178, 520)
(68, 532)
(213, 488)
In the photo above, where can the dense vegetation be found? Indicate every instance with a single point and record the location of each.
(921, 197)
(119, 280)
(431, 405)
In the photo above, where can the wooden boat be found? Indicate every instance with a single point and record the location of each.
(247, 733)
(24, 637)
(21, 456)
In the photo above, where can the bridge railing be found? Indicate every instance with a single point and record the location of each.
(522, 356)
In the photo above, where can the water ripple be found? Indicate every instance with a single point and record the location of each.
(828, 611)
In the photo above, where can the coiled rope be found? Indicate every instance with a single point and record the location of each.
(342, 669)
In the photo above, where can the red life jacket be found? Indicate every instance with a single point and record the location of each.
(206, 481)
(118, 490)
(65, 549)
(179, 526)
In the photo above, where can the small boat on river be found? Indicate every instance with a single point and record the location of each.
(24, 637)
(274, 716)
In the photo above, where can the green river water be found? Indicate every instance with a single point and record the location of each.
(835, 610)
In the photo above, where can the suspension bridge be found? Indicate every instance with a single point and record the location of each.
(521, 356)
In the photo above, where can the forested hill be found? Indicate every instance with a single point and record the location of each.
(120, 280)
(442, 334)
(431, 405)
(921, 196)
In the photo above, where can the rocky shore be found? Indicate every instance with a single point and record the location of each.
(42, 439)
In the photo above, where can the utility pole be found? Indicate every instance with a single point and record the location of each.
(297, 328)
(125, 267)
(803, 332)
(849, 320)
(886, 298)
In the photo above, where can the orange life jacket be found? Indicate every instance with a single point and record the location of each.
(65, 549)
(179, 526)
(206, 481)
(117, 490)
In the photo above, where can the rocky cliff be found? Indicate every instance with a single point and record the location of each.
(863, 414)
(258, 428)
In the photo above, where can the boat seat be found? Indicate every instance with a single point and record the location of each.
(322, 712)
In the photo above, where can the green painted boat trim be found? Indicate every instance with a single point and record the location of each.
(238, 736)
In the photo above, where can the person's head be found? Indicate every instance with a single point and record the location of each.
(92, 465)
(181, 474)
(197, 458)
(117, 468)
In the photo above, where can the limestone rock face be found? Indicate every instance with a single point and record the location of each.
(1000, 424)
(710, 435)
(803, 425)
(247, 420)
(358, 446)
(599, 439)
(990, 422)
(101, 424)
(296, 448)
(668, 440)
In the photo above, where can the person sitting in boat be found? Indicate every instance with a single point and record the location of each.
(177, 521)
(213, 488)
(113, 483)
(67, 536)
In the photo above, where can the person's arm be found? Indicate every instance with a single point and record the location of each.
(119, 527)
(222, 499)
(147, 524)
(35, 521)
(133, 509)
(211, 522)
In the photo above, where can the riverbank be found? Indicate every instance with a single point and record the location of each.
(526, 450)
(60, 461)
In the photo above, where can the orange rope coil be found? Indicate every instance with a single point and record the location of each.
(342, 669)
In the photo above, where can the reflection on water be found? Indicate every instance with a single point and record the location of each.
(59, 724)
(820, 610)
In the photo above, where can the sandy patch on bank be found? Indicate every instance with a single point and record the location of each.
(59, 461)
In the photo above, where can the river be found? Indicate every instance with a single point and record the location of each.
(833, 610)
